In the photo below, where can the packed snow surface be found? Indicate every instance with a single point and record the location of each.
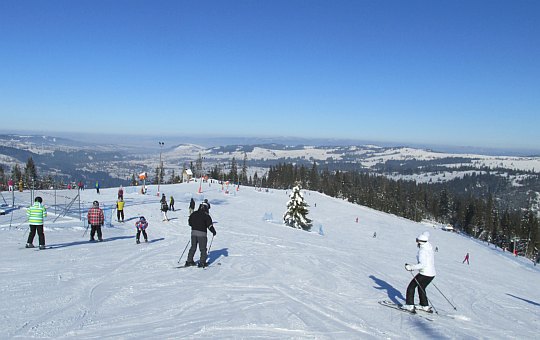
(265, 280)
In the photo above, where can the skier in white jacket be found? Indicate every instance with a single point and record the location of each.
(426, 273)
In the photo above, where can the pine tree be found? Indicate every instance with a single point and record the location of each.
(314, 177)
(233, 174)
(199, 166)
(3, 182)
(157, 178)
(173, 178)
(256, 180)
(243, 174)
(16, 174)
(296, 214)
(30, 173)
(215, 172)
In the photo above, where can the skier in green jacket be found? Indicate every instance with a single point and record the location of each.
(36, 214)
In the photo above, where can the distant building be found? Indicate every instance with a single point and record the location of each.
(187, 175)
(447, 227)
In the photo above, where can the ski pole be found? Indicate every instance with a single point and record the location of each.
(212, 240)
(27, 230)
(429, 301)
(445, 297)
(10, 220)
(184, 251)
(86, 230)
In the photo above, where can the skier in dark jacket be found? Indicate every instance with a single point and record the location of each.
(164, 207)
(200, 221)
(191, 206)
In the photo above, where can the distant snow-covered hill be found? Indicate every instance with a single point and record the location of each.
(115, 164)
(366, 156)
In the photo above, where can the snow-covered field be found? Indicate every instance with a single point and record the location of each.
(265, 280)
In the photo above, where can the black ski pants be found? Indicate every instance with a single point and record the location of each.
(41, 234)
(143, 233)
(120, 213)
(198, 238)
(423, 281)
(96, 228)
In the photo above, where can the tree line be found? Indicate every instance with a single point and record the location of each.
(25, 178)
(482, 216)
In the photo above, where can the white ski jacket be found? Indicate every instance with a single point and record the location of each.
(426, 260)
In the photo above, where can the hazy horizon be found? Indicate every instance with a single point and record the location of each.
(150, 141)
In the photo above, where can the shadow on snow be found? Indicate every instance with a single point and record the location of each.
(214, 255)
(78, 243)
(393, 294)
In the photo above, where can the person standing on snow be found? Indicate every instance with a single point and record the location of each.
(97, 187)
(207, 203)
(171, 204)
(96, 219)
(121, 192)
(141, 226)
(191, 206)
(200, 221)
(120, 209)
(164, 207)
(426, 267)
(36, 214)
(466, 259)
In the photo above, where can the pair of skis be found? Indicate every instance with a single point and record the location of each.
(399, 307)
(196, 266)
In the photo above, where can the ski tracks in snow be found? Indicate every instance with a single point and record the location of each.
(72, 311)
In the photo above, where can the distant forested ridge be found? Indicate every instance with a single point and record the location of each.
(475, 204)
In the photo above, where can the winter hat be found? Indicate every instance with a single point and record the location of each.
(38, 199)
(95, 204)
(423, 237)
(142, 218)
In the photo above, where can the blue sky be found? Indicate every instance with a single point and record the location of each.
(439, 72)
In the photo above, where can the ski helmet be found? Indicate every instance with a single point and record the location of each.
(423, 237)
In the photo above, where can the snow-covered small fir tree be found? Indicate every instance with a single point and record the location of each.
(296, 214)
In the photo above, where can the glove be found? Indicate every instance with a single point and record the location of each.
(214, 232)
(408, 267)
